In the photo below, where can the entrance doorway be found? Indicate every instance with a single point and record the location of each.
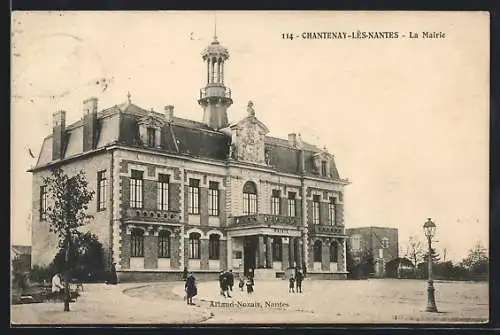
(249, 251)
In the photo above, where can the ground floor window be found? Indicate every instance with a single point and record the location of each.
(194, 245)
(214, 247)
(277, 247)
(137, 243)
(164, 244)
(318, 246)
(334, 251)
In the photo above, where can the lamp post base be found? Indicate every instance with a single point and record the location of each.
(431, 303)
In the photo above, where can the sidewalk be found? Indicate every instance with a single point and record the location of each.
(105, 304)
(340, 302)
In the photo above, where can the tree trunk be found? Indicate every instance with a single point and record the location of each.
(67, 294)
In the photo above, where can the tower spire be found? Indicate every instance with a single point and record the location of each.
(215, 97)
(215, 26)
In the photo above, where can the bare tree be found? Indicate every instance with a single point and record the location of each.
(414, 250)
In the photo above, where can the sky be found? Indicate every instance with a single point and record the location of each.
(406, 119)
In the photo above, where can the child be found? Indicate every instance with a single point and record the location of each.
(242, 283)
(249, 283)
(292, 284)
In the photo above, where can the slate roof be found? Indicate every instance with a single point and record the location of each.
(118, 125)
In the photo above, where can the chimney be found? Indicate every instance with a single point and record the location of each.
(169, 113)
(58, 129)
(89, 123)
(292, 139)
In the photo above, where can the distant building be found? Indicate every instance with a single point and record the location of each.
(379, 242)
(21, 258)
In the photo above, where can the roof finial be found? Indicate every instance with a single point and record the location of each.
(215, 26)
(129, 96)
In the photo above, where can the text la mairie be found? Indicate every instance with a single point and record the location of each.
(210, 196)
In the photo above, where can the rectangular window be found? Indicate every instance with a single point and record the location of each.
(249, 203)
(331, 212)
(43, 202)
(164, 244)
(213, 198)
(194, 196)
(213, 247)
(137, 244)
(162, 192)
(136, 181)
(101, 190)
(194, 248)
(323, 168)
(151, 133)
(291, 204)
(275, 203)
(316, 209)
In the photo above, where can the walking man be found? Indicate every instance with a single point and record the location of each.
(191, 289)
(230, 280)
(298, 281)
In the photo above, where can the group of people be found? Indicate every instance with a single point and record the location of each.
(295, 281)
(226, 283)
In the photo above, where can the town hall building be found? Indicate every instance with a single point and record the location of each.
(172, 193)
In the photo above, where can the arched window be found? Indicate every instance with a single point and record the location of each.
(194, 245)
(277, 249)
(164, 244)
(318, 250)
(334, 251)
(249, 198)
(213, 246)
(137, 243)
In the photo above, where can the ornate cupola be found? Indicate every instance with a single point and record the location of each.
(215, 98)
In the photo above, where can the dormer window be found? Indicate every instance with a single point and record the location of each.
(150, 130)
(324, 168)
(151, 137)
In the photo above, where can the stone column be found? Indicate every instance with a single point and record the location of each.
(158, 137)
(342, 265)
(150, 250)
(223, 256)
(175, 257)
(284, 253)
(204, 254)
(208, 70)
(292, 251)
(284, 207)
(269, 252)
(143, 134)
(229, 254)
(325, 255)
(203, 202)
(300, 252)
(261, 252)
(222, 72)
(186, 252)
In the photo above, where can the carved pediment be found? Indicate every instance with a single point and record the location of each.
(151, 121)
(248, 139)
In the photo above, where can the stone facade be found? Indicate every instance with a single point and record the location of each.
(221, 179)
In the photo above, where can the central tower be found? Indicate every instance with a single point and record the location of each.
(215, 98)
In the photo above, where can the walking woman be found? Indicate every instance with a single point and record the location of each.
(190, 288)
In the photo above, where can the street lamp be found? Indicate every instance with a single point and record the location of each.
(430, 231)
